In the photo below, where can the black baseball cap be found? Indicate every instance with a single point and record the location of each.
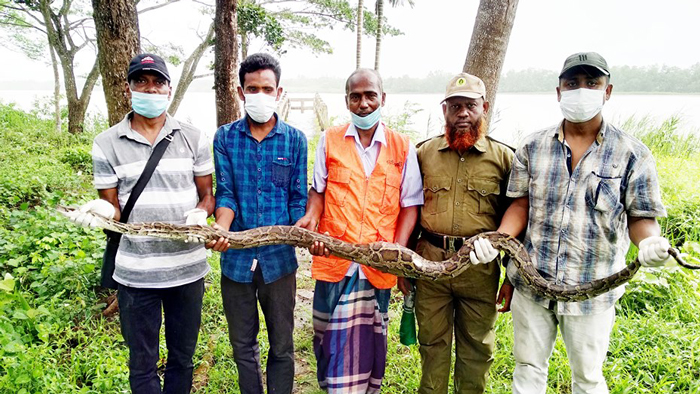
(591, 59)
(148, 62)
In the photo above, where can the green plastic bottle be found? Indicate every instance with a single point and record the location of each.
(407, 330)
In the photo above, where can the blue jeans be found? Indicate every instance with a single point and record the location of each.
(141, 313)
(277, 300)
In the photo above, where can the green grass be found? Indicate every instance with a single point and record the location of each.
(53, 338)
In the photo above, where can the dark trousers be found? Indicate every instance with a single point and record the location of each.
(277, 300)
(141, 313)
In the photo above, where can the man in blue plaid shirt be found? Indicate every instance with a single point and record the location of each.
(261, 181)
(584, 189)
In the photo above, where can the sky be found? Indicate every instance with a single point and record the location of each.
(437, 33)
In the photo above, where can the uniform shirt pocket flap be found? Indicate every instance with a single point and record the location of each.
(484, 186)
(436, 183)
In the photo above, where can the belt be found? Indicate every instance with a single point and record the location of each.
(446, 242)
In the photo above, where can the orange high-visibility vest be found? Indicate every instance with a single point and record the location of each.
(358, 209)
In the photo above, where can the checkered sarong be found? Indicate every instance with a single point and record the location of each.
(350, 324)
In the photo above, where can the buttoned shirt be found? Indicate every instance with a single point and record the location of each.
(119, 156)
(464, 193)
(411, 184)
(577, 226)
(264, 183)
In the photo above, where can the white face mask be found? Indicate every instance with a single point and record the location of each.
(581, 105)
(260, 106)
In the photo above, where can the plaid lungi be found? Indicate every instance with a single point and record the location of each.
(350, 320)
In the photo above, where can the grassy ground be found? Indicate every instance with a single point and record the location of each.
(55, 339)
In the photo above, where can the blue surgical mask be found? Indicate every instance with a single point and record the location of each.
(149, 105)
(366, 122)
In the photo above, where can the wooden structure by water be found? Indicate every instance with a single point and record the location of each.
(315, 104)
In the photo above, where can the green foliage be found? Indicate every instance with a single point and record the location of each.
(664, 139)
(293, 24)
(50, 341)
(369, 26)
(255, 20)
(79, 158)
(36, 162)
(674, 150)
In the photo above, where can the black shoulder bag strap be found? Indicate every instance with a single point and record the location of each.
(113, 238)
(151, 165)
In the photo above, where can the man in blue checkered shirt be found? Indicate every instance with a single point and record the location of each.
(261, 181)
(584, 189)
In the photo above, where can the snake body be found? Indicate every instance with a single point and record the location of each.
(388, 257)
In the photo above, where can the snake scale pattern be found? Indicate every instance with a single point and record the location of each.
(387, 257)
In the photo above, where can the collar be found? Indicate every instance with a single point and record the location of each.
(275, 129)
(558, 132)
(379, 134)
(480, 145)
(124, 129)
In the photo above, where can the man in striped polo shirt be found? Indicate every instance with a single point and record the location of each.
(155, 274)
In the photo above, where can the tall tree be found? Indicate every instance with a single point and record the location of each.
(64, 26)
(360, 13)
(226, 62)
(381, 30)
(378, 40)
(118, 40)
(489, 42)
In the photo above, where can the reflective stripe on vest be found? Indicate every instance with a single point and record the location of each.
(358, 209)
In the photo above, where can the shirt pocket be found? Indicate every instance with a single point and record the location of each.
(338, 185)
(437, 194)
(281, 172)
(603, 193)
(482, 196)
(392, 194)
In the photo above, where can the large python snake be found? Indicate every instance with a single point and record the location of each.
(387, 257)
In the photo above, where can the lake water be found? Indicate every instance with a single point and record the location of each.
(516, 114)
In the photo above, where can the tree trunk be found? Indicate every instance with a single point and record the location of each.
(77, 105)
(57, 42)
(226, 62)
(118, 40)
(189, 69)
(489, 42)
(360, 14)
(244, 45)
(56, 89)
(378, 49)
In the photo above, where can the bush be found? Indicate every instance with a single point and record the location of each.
(79, 158)
(39, 164)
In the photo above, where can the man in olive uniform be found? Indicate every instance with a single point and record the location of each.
(465, 174)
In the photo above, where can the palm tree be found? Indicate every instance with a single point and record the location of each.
(380, 26)
(360, 12)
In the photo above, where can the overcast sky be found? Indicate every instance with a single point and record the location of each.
(437, 33)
